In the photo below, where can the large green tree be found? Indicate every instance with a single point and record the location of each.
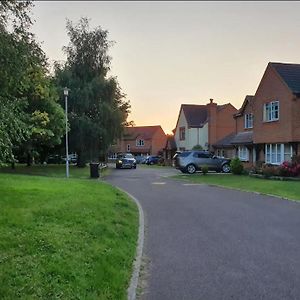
(30, 116)
(98, 109)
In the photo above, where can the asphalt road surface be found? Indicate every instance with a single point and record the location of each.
(204, 242)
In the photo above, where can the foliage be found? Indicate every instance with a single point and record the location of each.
(204, 169)
(236, 166)
(290, 169)
(197, 147)
(26, 95)
(73, 239)
(269, 170)
(97, 107)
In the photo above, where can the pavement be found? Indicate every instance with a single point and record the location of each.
(205, 242)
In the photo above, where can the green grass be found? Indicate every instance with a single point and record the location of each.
(285, 189)
(54, 170)
(65, 239)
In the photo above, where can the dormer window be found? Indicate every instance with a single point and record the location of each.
(140, 143)
(248, 121)
(271, 111)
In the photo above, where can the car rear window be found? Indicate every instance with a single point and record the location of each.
(185, 154)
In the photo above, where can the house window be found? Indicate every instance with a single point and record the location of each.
(182, 133)
(243, 153)
(128, 147)
(278, 153)
(271, 111)
(249, 121)
(140, 143)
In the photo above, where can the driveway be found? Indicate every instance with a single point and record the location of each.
(204, 242)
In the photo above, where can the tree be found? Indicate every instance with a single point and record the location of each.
(30, 115)
(97, 107)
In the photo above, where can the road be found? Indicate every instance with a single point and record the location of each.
(205, 242)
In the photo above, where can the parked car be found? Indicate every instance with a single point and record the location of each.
(152, 160)
(54, 159)
(192, 161)
(140, 159)
(125, 160)
(72, 158)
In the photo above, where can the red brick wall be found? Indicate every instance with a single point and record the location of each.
(158, 142)
(240, 120)
(272, 88)
(225, 121)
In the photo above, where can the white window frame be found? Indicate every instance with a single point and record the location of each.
(248, 121)
(270, 110)
(140, 143)
(128, 147)
(243, 153)
(275, 153)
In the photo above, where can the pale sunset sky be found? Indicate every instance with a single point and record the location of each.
(170, 53)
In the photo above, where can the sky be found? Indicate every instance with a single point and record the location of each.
(171, 53)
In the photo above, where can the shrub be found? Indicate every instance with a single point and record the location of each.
(270, 170)
(204, 169)
(197, 147)
(290, 169)
(236, 166)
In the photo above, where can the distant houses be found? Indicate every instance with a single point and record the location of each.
(203, 125)
(266, 128)
(141, 141)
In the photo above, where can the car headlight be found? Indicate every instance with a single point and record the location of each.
(119, 161)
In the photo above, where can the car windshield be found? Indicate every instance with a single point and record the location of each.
(128, 155)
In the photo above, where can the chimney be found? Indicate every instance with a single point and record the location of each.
(212, 122)
(211, 100)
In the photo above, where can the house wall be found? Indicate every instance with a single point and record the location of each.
(197, 136)
(272, 88)
(240, 120)
(181, 123)
(221, 122)
(158, 142)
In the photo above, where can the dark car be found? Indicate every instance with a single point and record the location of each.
(125, 160)
(192, 161)
(152, 160)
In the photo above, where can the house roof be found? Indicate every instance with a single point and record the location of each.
(196, 115)
(248, 100)
(145, 132)
(225, 142)
(290, 73)
(242, 138)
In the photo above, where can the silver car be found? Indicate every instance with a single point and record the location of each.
(192, 161)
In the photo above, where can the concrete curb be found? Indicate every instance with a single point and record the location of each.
(131, 291)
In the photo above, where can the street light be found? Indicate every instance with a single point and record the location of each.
(66, 93)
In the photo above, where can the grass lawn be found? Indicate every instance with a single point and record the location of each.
(65, 239)
(286, 189)
(55, 170)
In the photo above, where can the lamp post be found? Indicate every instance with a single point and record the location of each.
(66, 93)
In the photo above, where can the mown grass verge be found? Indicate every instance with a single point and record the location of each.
(285, 189)
(55, 170)
(65, 239)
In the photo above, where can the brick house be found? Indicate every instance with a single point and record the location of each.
(203, 125)
(268, 123)
(141, 140)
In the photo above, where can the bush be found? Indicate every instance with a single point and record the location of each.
(197, 147)
(236, 166)
(290, 169)
(204, 169)
(270, 170)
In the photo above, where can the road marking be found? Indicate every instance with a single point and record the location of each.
(189, 184)
(158, 183)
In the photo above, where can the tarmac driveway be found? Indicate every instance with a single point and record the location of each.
(204, 242)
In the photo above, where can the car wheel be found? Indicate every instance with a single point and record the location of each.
(151, 163)
(225, 168)
(191, 169)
